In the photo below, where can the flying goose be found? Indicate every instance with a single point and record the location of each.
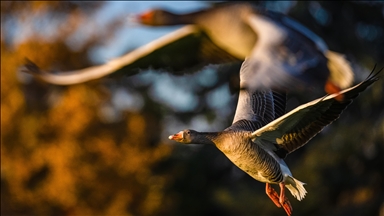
(261, 135)
(282, 53)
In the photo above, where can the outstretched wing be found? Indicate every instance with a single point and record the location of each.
(280, 103)
(284, 59)
(289, 56)
(180, 50)
(294, 129)
(256, 108)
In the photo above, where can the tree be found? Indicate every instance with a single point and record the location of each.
(79, 150)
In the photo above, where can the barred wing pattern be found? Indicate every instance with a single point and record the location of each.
(297, 127)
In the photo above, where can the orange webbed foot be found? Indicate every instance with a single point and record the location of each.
(284, 200)
(331, 88)
(272, 194)
(279, 200)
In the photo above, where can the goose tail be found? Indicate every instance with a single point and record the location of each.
(296, 188)
(341, 74)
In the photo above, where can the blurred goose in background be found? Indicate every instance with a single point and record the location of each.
(261, 135)
(281, 53)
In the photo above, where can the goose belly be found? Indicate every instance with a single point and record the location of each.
(258, 164)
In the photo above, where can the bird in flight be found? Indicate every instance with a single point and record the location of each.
(280, 52)
(262, 134)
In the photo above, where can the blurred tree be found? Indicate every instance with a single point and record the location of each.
(52, 162)
(75, 151)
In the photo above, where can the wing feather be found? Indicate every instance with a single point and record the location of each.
(256, 108)
(297, 127)
(187, 48)
(283, 58)
(280, 102)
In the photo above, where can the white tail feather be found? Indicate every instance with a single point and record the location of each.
(296, 188)
(340, 70)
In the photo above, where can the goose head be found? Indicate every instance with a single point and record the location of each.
(159, 17)
(191, 136)
(185, 136)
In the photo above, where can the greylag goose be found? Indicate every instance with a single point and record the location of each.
(281, 52)
(261, 135)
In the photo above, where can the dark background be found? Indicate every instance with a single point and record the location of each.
(101, 148)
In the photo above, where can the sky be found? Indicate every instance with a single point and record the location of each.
(132, 35)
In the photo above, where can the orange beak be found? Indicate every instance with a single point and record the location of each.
(177, 137)
(146, 17)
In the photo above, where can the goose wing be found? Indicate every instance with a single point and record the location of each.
(289, 56)
(180, 50)
(256, 108)
(297, 127)
(279, 102)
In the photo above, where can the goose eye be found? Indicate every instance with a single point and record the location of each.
(188, 132)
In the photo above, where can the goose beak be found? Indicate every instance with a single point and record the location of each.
(177, 137)
(145, 18)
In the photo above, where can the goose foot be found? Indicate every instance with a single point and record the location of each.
(272, 194)
(281, 200)
(284, 200)
(331, 88)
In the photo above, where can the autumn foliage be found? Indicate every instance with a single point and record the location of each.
(59, 156)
